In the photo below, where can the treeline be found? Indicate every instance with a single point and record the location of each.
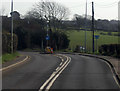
(32, 34)
(6, 42)
(80, 23)
(31, 31)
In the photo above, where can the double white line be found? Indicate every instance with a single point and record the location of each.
(47, 85)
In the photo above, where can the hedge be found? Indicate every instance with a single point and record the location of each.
(6, 42)
(110, 49)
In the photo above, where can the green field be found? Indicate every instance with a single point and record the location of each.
(78, 37)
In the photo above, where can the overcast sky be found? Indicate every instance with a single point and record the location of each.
(104, 9)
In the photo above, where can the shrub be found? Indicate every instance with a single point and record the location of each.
(77, 49)
(6, 42)
(109, 33)
(110, 49)
(103, 33)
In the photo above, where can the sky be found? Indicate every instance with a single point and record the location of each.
(104, 9)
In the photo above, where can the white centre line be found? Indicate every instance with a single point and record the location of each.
(53, 80)
(55, 74)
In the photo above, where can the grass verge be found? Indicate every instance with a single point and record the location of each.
(8, 57)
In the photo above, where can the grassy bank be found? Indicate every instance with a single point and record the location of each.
(8, 57)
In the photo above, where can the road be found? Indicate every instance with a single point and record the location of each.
(81, 73)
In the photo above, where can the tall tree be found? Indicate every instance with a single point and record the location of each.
(51, 11)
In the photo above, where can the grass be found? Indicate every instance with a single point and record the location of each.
(77, 38)
(8, 57)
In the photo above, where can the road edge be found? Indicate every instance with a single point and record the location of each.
(106, 60)
(12, 65)
(109, 63)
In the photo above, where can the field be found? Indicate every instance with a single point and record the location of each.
(78, 37)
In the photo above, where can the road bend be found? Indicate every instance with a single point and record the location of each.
(45, 71)
(86, 73)
(32, 73)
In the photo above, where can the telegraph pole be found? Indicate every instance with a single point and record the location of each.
(47, 34)
(93, 49)
(47, 31)
(12, 26)
(85, 26)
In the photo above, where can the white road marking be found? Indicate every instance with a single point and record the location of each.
(57, 68)
(55, 74)
(14, 64)
(62, 60)
(112, 73)
(42, 87)
(53, 80)
(116, 81)
(60, 63)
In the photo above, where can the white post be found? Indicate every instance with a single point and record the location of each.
(12, 26)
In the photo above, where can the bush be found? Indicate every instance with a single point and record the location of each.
(116, 34)
(118, 50)
(109, 33)
(6, 42)
(110, 49)
(59, 41)
(103, 33)
(77, 49)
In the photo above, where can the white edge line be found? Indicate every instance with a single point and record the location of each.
(14, 64)
(112, 73)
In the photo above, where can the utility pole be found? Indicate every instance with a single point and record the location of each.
(85, 26)
(93, 49)
(47, 36)
(12, 26)
(47, 31)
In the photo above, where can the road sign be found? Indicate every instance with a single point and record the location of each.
(47, 37)
(97, 36)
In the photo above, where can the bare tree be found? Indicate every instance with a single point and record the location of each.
(51, 11)
(2, 11)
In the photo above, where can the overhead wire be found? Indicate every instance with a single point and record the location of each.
(107, 4)
(81, 5)
(99, 5)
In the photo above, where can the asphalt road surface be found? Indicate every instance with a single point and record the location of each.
(81, 73)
